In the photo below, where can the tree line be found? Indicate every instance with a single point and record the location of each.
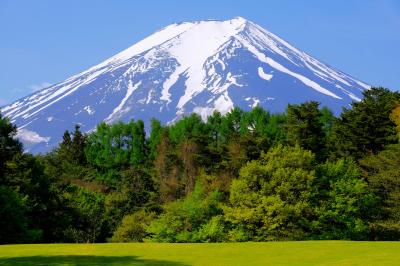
(244, 176)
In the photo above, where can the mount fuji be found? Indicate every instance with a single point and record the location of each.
(183, 68)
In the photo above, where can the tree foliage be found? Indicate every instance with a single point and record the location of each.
(242, 176)
(366, 128)
(343, 202)
(271, 198)
(382, 172)
(304, 126)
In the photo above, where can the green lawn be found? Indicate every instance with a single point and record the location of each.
(272, 253)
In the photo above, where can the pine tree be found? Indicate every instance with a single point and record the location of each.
(9, 145)
(78, 146)
(167, 169)
(154, 139)
(139, 148)
(304, 127)
(366, 128)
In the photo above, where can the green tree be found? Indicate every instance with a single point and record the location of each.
(9, 145)
(133, 227)
(231, 124)
(214, 124)
(78, 145)
(167, 169)
(366, 128)
(116, 147)
(395, 117)
(327, 119)
(189, 154)
(154, 139)
(107, 147)
(27, 177)
(254, 122)
(275, 130)
(138, 143)
(190, 127)
(64, 151)
(190, 136)
(14, 222)
(135, 190)
(382, 172)
(343, 200)
(29, 200)
(88, 224)
(271, 199)
(72, 147)
(305, 127)
(184, 220)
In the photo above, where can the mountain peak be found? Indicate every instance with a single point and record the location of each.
(239, 19)
(188, 67)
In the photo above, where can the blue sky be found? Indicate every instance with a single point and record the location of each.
(44, 42)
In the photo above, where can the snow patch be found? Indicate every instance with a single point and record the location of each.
(89, 110)
(229, 81)
(173, 78)
(194, 47)
(153, 40)
(118, 109)
(224, 103)
(204, 112)
(61, 91)
(255, 100)
(362, 84)
(264, 75)
(283, 69)
(351, 95)
(150, 96)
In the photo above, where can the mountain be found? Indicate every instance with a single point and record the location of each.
(187, 67)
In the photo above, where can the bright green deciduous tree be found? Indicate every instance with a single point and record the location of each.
(343, 202)
(188, 219)
(133, 227)
(272, 197)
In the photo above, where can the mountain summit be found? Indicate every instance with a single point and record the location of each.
(187, 67)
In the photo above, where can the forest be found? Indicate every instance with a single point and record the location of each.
(244, 176)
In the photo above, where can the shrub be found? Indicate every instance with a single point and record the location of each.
(133, 227)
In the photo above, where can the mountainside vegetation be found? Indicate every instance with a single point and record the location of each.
(244, 176)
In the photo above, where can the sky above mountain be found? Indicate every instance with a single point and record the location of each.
(44, 42)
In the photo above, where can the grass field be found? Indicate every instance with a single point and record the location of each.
(272, 253)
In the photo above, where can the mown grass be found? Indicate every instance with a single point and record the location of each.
(271, 253)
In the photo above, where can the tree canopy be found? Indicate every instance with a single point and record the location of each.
(242, 176)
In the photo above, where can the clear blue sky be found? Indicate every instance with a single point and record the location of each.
(44, 42)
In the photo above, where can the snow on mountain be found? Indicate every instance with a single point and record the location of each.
(187, 67)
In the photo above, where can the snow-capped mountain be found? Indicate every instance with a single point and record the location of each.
(187, 67)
